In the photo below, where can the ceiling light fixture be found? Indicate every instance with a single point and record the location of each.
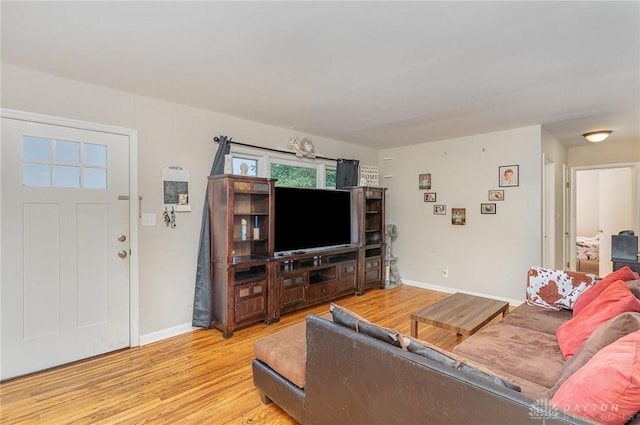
(597, 136)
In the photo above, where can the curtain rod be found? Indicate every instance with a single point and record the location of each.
(217, 140)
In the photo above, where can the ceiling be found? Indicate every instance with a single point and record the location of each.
(379, 74)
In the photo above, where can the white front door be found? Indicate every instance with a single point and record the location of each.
(65, 245)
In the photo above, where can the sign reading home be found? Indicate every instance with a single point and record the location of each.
(369, 175)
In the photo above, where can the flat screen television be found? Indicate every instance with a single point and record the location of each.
(306, 219)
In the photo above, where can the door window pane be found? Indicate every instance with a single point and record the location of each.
(36, 149)
(95, 155)
(67, 152)
(36, 174)
(94, 178)
(67, 176)
(292, 176)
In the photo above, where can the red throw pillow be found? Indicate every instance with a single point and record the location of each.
(607, 388)
(624, 274)
(614, 300)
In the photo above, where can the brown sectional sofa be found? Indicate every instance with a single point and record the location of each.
(349, 371)
(348, 377)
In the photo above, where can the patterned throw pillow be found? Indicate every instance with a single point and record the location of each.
(555, 289)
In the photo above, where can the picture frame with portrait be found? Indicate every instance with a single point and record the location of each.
(430, 197)
(508, 175)
(440, 209)
(424, 181)
(458, 216)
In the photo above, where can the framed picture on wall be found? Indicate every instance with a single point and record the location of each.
(430, 197)
(496, 195)
(440, 209)
(487, 208)
(458, 216)
(508, 175)
(424, 181)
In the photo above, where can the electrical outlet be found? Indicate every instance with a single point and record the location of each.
(445, 272)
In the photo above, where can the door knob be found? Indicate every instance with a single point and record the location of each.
(122, 253)
(122, 238)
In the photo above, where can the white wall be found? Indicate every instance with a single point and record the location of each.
(604, 153)
(168, 134)
(491, 253)
(557, 154)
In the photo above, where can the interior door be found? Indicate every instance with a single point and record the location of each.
(615, 210)
(65, 245)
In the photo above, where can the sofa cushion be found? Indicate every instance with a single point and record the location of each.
(554, 289)
(624, 274)
(284, 351)
(537, 318)
(607, 333)
(634, 285)
(607, 388)
(614, 300)
(351, 320)
(528, 354)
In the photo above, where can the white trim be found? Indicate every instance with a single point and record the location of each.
(450, 290)
(635, 202)
(282, 156)
(166, 333)
(132, 134)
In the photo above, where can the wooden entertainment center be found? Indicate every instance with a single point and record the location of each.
(252, 283)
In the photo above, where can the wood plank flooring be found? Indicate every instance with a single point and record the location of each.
(195, 378)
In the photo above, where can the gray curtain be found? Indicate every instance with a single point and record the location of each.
(347, 173)
(202, 298)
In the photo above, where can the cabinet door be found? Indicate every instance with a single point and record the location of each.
(292, 289)
(372, 269)
(346, 277)
(250, 300)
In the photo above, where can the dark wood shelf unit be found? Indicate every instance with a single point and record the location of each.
(240, 265)
(250, 284)
(368, 214)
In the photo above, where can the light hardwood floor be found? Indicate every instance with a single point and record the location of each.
(195, 378)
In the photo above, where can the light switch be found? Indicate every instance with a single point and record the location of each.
(149, 219)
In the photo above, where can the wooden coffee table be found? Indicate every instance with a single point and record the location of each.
(462, 313)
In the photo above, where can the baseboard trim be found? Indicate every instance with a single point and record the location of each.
(450, 290)
(186, 327)
(166, 333)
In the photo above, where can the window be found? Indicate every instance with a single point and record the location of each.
(290, 171)
(63, 163)
(294, 176)
(330, 178)
(245, 166)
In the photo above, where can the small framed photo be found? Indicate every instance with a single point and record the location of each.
(424, 181)
(430, 197)
(508, 175)
(440, 209)
(458, 216)
(487, 208)
(496, 195)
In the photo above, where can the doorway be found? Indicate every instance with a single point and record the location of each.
(604, 200)
(69, 284)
